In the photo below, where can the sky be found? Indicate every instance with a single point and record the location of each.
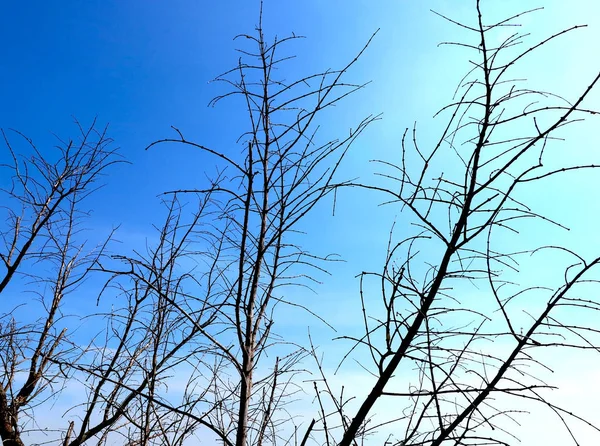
(142, 66)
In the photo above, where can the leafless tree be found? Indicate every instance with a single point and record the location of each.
(466, 196)
(193, 352)
(44, 252)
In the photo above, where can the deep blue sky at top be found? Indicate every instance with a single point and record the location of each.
(143, 66)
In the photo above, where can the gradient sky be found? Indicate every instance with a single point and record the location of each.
(142, 66)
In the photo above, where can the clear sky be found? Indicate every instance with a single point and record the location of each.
(142, 66)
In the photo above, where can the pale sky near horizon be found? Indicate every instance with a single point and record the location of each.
(142, 66)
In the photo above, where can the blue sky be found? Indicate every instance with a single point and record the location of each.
(142, 66)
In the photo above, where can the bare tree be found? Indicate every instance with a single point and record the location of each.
(43, 247)
(500, 134)
(282, 175)
(201, 302)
